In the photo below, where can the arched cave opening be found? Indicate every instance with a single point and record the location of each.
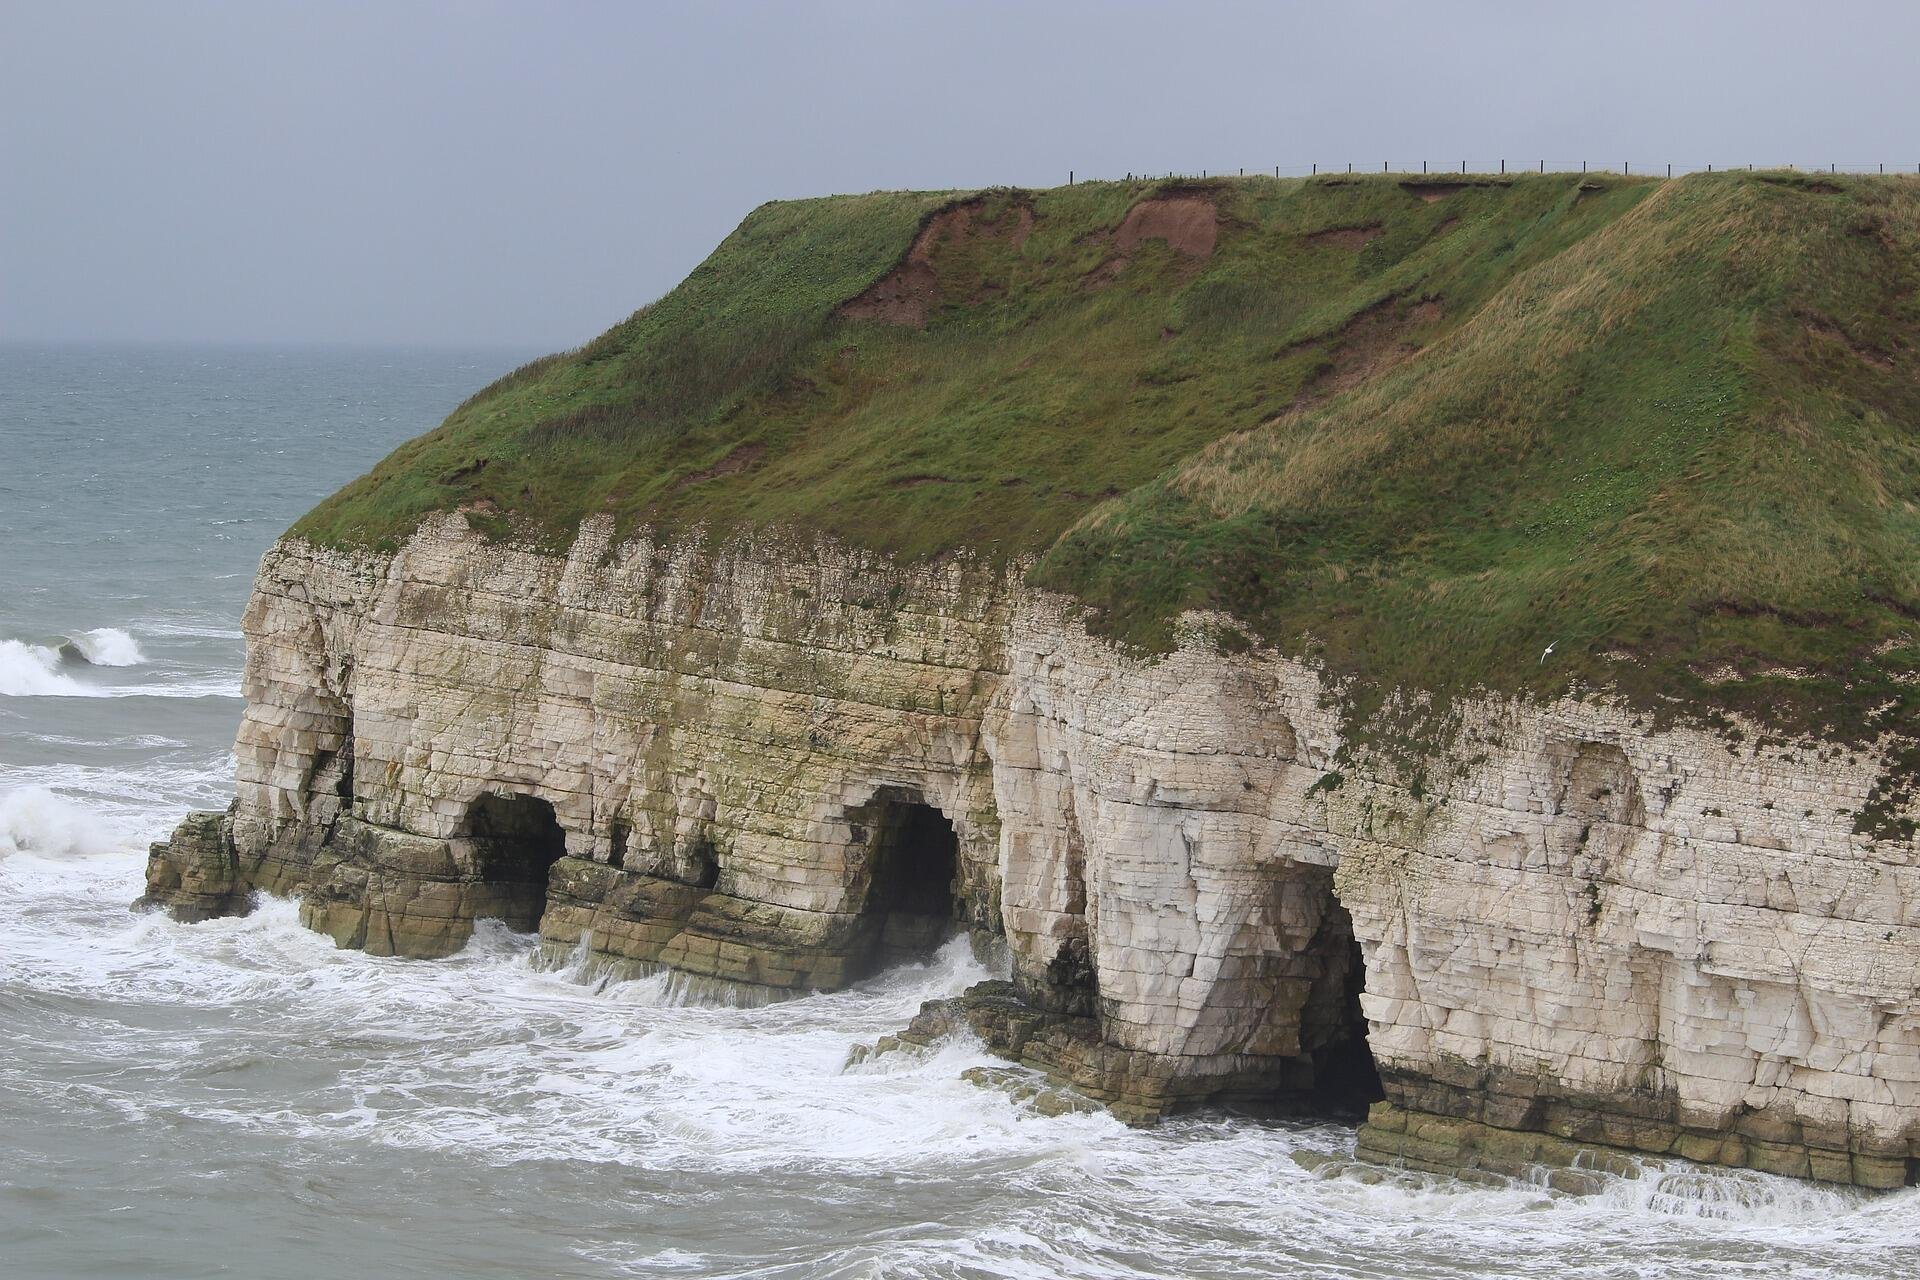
(1333, 1029)
(516, 839)
(912, 902)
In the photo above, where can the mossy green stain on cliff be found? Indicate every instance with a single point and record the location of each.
(1418, 430)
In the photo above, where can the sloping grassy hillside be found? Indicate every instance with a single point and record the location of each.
(1419, 430)
(1056, 366)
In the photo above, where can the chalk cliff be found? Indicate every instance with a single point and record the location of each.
(787, 765)
(1450, 645)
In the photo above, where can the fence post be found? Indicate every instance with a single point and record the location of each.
(1543, 166)
(1463, 167)
(1069, 177)
(1669, 171)
(1623, 168)
(1583, 166)
(1423, 167)
(1503, 167)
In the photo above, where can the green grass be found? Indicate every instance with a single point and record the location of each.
(1668, 427)
(1681, 450)
(1027, 399)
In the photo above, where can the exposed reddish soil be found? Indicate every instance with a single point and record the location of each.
(1189, 225)
(1347, 237)
(738, 460)
(909, 292)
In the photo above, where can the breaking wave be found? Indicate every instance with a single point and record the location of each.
(33, 671)
(59, 669)
(34, 819)
(104, 647)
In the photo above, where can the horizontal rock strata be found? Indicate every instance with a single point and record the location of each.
(789, 766)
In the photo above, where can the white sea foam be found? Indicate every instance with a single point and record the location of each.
(253, 1041)
(112, 807)
(34, 819)
(274, 1041)
(45, 671)
(109, 647)
(33, 671)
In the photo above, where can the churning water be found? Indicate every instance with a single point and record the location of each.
(240, 1099)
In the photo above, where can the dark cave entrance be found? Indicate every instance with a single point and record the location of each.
(1334, 1074)
(912, 903)
(516, 840)
(1346, 1081)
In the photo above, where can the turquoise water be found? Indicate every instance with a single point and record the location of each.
(241, 1099)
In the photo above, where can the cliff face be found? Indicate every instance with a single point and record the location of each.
(1346, 453)
(788, 766)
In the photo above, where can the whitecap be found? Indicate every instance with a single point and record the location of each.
(33, 671)
(108, 647)
(36, 820)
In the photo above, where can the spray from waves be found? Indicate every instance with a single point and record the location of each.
(122, 808)
(35, 820)
(104, 647)
(33, 671)
(54, 670)
(622, 1102)
(41, 670)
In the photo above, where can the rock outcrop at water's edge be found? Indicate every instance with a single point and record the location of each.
(790, 767)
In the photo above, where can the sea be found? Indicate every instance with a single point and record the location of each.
(239, 1098)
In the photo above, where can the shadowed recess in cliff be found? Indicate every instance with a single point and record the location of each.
(911, 905)
(516, 840)
(1346, 1080)
(1303, 982)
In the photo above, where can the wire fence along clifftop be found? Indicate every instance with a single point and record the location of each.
(1497, 168)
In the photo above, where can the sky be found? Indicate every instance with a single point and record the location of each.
(525, 174)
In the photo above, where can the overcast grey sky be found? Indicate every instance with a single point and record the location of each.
(528, 173)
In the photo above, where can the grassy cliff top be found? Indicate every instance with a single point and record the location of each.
(1418, 428)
